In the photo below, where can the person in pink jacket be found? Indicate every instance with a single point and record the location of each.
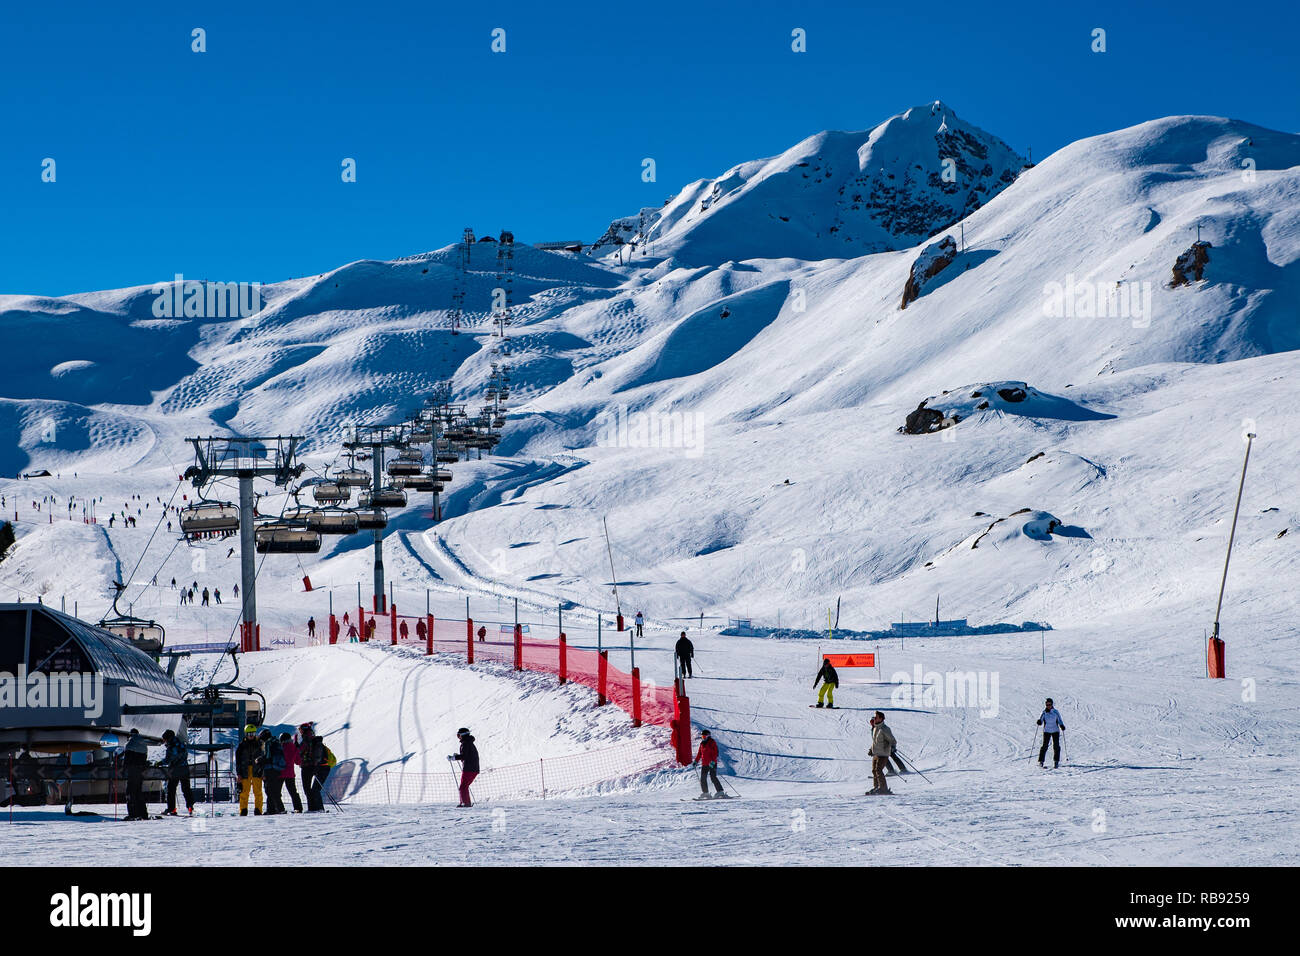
(291, 759)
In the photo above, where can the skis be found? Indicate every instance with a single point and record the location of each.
(706, 797)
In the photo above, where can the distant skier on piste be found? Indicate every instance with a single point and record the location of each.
(469, 767)
(707, 759)
(640, 623)
(1052, 726)
(685, 652)
(829, 680)
(882, 748)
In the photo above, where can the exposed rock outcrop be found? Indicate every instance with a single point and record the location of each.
(1190, 266)
(933, 259)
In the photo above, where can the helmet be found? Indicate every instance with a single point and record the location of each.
(168, 734)
(462, 731)
(264, 735)
(250, 728)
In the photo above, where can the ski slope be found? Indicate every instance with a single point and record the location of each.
(731, 404)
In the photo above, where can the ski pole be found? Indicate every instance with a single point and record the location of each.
(1033, 742)
(455, 781)
(728, 783)
(913, 766)
(330, 796)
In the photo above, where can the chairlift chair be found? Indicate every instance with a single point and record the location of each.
(371, 519)
(209, 517)
(333, 521)
(353, 478)
(282, 537)
(330, 493)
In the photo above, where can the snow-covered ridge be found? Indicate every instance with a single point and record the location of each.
(835, 194)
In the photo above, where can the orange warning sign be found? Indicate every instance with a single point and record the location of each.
(851, 660)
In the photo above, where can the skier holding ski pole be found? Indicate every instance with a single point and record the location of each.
(882, 746)
(1052, 726)
(707, 760)
(468, 758)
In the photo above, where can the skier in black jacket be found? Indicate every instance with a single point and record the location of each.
(134, 760)
(315, 766)
(468, 758)
(272, 771)
(248, 767)
(829, 680)
(176, 763)
(685, 652)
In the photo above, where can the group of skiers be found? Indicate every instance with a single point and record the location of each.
(206, 597)
(265, 762)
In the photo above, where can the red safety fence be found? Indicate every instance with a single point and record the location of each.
(515, 645)
(593, 771)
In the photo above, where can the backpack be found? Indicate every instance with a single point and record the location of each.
(330, 759)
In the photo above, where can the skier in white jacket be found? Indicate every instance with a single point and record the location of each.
(1052, 726)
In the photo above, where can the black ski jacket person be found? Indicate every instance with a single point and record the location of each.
(248, 758)
(468, 755)
(684, 648)
(312, 753)
(176, 758)
(134, 759)
(827, 674)
(272, 758)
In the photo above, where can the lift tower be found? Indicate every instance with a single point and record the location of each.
(376, 438)
(246, 459)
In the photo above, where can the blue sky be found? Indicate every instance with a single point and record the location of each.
(226, 164)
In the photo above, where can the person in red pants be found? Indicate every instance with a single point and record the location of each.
(468, 758)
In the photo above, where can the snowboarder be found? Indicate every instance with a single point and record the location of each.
(315, 765)
(640, 622)
(273, 764)
(291, 760)
(1052, 726)
(176, 763)
(134, 760)
(248, 767)
(882, 746)
(685, 652)
(469, 768)
(829, 681)
(707, 760)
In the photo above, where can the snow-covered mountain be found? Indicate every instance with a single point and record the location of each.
(834, 195)
(762, 351)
